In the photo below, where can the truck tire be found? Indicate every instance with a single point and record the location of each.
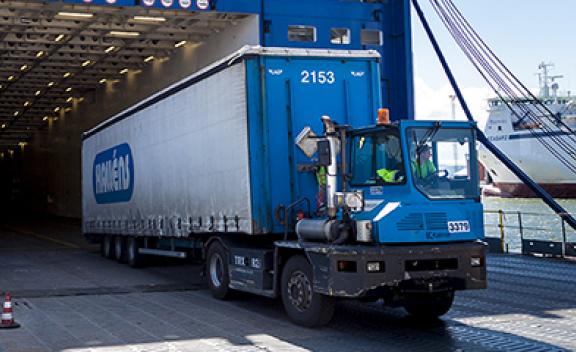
(106, 249)
(428, 305)
(120, 249)
(302, 305)
(217, 271)
(134, 258)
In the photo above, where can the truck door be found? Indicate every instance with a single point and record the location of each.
(299, 90)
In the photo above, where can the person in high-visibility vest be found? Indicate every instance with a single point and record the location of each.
(423, 166)
(321, 179)
(388, 176)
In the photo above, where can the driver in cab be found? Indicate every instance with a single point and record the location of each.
(423, 166)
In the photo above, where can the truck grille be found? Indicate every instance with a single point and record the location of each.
(412, 222)
(436, 221)
(416, 222)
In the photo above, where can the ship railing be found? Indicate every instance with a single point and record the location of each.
(530, 233)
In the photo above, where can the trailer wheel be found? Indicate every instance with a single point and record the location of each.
(428, 305)
(302, 305)
(120, 249)
(133, 256)
(217, 271)
(106, 247)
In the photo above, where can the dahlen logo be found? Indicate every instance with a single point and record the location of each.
(113, 175)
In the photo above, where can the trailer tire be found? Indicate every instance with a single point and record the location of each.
(120, 249)
(217, 271)
(302, 305)
(133, 256)
(106, 245)
(428, 305)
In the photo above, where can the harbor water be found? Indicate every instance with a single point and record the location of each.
(526, 218)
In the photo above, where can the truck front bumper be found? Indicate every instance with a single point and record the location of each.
(343, 270)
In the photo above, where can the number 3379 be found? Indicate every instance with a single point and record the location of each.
(317, 77)
(458, 226)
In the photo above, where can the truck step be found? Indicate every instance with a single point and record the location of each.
(163, 253)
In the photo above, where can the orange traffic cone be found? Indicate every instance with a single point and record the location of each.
(7, 317)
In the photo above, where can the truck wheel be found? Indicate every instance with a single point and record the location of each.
(302, 305)
(217, 271)
(119, 249)
(133, 256)
(428, 305)
(106, 247)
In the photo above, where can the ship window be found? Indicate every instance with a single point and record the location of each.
(499, 128)
(371, 37)
(301, 33)
(340, 36)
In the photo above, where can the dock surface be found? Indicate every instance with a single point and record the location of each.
(68, 298)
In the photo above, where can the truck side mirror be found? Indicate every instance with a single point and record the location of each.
(324, 155)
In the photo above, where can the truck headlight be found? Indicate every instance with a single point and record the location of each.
(351, 200)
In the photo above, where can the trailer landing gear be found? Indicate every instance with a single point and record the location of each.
(217, 270)
(304, 306)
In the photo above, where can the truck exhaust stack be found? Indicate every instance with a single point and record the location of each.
(332, 169)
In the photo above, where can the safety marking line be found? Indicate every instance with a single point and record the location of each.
(40, 236)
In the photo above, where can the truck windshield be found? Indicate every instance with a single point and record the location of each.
(443, 162)
(377, 159)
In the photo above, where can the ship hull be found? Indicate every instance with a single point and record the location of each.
(541, 146)
(520, 190)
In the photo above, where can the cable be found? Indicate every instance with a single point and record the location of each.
(515, 95)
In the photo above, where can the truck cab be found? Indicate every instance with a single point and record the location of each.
(402, 221)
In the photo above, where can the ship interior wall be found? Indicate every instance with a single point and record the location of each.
(43, 177)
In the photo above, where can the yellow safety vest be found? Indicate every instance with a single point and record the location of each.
(423, 170)
(387, 175)
(321, 176)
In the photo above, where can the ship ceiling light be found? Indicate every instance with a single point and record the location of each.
(48, 41)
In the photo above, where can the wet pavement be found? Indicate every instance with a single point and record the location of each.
(68, 298)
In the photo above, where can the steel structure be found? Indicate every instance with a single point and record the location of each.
(52, 53)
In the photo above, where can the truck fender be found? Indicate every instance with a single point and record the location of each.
(210, 241)
(283, 251)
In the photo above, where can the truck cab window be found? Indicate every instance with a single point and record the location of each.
(377, 159)
(439, 163)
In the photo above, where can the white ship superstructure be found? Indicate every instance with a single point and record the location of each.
(539, 148)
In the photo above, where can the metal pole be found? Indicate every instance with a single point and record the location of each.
(521, 227)
(547, 198)
(563, 238)
(501, 226)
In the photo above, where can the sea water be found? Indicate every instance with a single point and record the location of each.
(528, 219)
